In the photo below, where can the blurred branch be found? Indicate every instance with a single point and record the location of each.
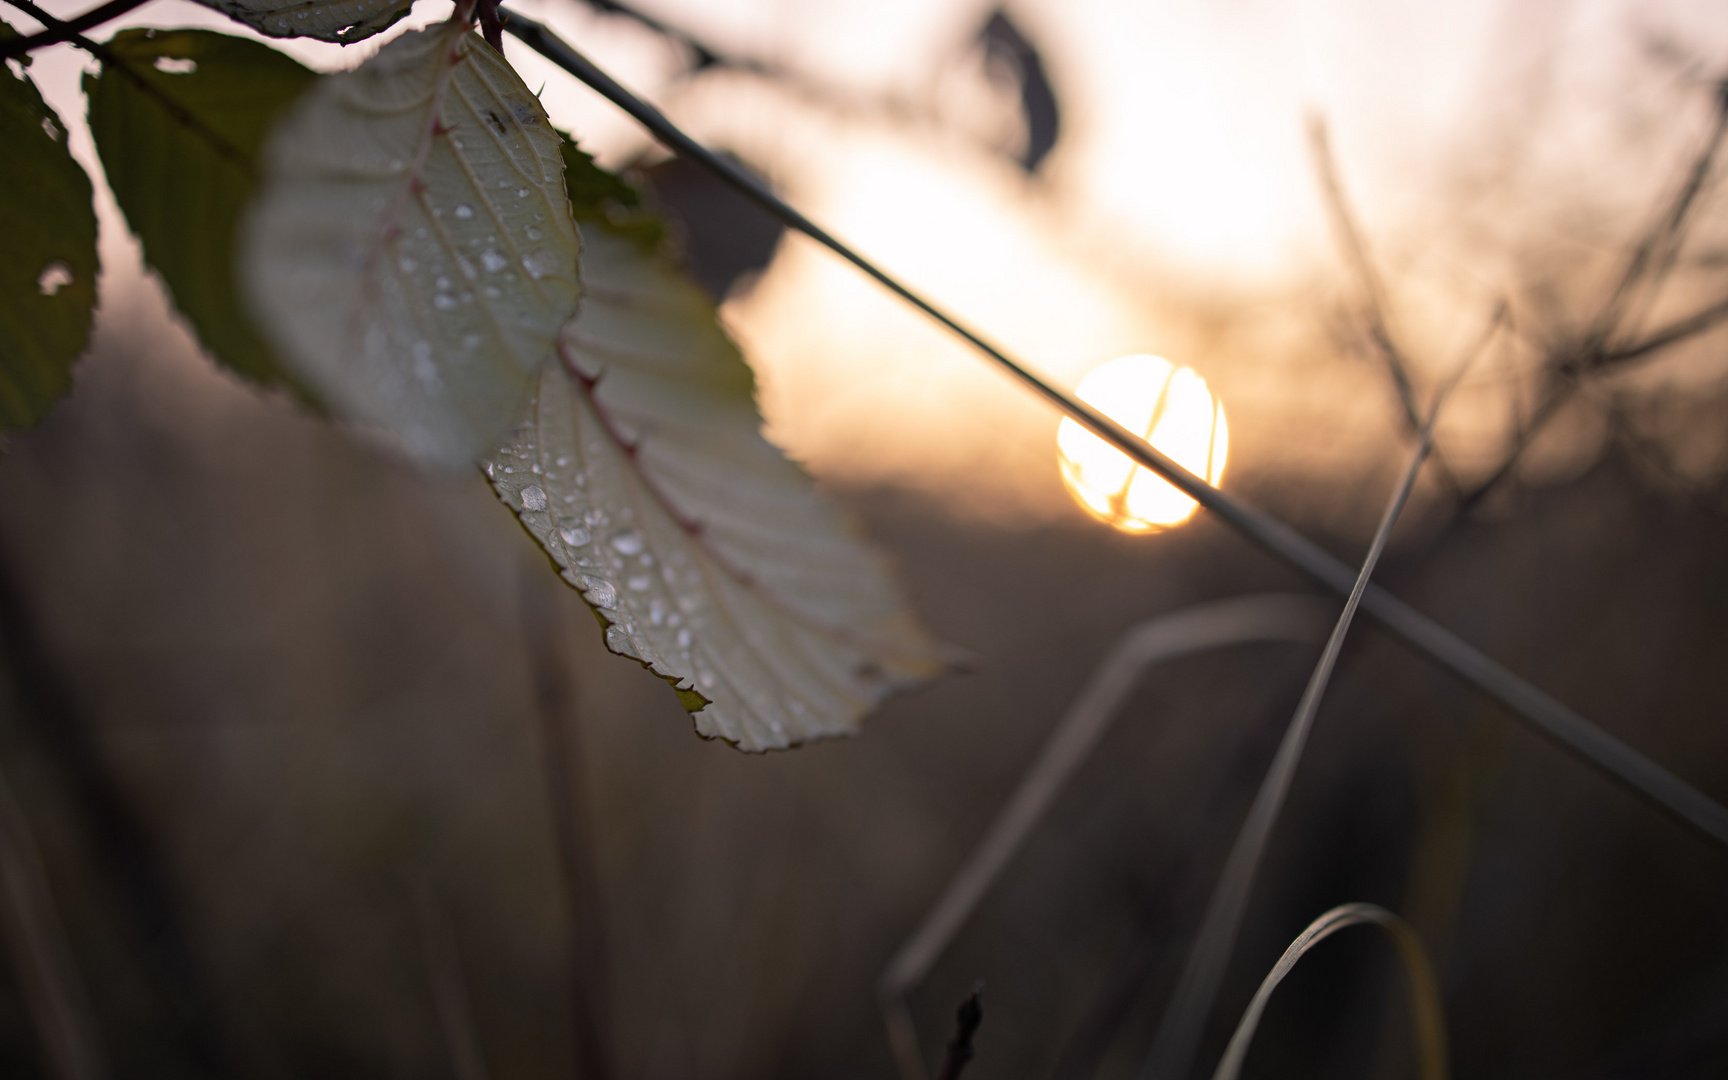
(1549, 717)
(1672, 334)
(1652, 257)
(1356, 254)
(555, 698)
(1648, 263)
(1238, 621)
(53, 993)
(125, 850)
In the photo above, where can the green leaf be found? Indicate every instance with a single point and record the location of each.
(179, 124)
(48, 258)
(607, 199)
(411, 253)
(641, 469)
(346, 21)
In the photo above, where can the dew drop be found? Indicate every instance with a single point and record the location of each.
(576, 536)
(406, 265)
(442, 282)
(619, 642)
(657, 611)
(598, 590)
(492, 261)
(470, 342)
(443, 301)
(562, 461)
(533, 498)
(491, 292)
(540, 262)
(522, 193)
(532, 233)
(595, 517)
(628, 543)
(464, 211)
(684, 638)
(639, 583)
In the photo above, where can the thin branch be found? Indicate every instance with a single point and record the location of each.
(1672, 334)
(1555, 721)
(1178, 1038)
(1654, 254)
(112, 61)
(1356, 254)
(1201, 628)
(58, 31)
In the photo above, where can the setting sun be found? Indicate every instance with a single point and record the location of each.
(1172, 409)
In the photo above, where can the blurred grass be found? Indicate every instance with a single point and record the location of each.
(306, 665)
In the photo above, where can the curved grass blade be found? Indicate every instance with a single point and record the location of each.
(709, 557)
(1428, 1017)
(180, 148)
(48, 260)
(1237, 621)
(1547, 716)
(411, 252)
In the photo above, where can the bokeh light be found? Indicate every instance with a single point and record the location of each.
(1172, 409)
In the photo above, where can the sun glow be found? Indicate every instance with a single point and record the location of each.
(1172, 409)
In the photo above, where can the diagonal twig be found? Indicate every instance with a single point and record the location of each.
(58, 31)
(1547, 716)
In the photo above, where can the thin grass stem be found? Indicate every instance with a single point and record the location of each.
(1547, 716)
(1238, 621)
(1178, 1037)
(1427, 1016)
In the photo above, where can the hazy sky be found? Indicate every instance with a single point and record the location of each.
(1177, 215)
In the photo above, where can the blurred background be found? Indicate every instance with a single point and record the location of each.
(293, 730)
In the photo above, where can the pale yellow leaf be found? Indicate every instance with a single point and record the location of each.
(412, 252)
(712, 559)
(327, 20)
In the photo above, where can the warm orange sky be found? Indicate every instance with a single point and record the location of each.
(1178, 215)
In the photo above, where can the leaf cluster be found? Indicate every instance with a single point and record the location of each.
(410, 246)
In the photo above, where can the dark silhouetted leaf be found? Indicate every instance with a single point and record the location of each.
(346, 21)
(1004, 42)
(48, 258)
(180, 144)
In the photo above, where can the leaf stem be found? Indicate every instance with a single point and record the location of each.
(1547, 716)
